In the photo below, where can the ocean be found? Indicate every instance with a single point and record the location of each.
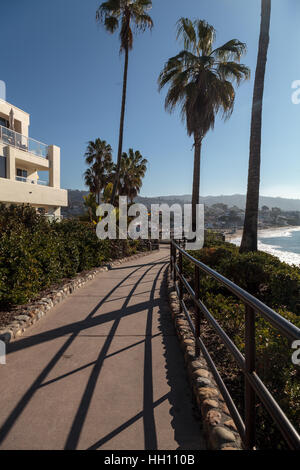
(283, 242)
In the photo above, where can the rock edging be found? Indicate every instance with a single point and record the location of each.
(36, 310)
(219, 428)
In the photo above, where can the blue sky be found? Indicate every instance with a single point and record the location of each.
(66, 71)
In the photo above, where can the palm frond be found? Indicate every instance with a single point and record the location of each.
(109, 8)
(206, 36)
(143, 21)
(111, 23)
(233, 71)
(186, 32)
(231, 50)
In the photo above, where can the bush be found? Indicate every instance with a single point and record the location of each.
(263, 275)
(35, 254)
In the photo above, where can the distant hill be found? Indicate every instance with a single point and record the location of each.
(76, 206)
(238, 200)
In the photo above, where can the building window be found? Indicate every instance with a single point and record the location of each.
(21, 175)
(4, 122)
(2, 167)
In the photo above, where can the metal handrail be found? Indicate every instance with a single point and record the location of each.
(23, 142)
(253, 384)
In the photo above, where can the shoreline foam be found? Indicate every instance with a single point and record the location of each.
(288, 257)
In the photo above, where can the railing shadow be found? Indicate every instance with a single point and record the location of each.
(187, 427)
(36, 339)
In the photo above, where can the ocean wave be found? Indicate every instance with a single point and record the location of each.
(278, 232)
(284, 256)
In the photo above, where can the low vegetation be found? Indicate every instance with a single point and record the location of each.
(35, 254)
(276, 284)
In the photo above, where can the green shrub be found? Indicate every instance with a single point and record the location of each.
(35, 254)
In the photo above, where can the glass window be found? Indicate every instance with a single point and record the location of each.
(2, 166)
(21, 174)
(3, 122)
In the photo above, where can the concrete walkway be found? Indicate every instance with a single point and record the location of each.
(103, 370)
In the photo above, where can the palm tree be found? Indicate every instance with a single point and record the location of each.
(132, 171)
(200, 80)
(115, 14)
(249, 239)
(99, 157)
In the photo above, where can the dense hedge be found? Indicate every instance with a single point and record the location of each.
(34, 254)
(278, 285)
(263, 275)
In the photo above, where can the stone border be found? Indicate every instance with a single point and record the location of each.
(34, 311)
(219, 428)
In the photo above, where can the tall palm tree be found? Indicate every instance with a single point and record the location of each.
(249, 239)
(132, 172)
(122, 14)
(99, 157)
(201, 80)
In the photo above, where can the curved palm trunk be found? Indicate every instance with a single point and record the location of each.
(117, 176)
(196, 179)
(249, 240)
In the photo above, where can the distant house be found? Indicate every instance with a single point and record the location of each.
(281, 220)
(23, 160)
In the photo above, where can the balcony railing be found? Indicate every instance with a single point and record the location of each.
(22, 142)
(32, 181)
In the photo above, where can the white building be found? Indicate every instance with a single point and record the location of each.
(29, 170)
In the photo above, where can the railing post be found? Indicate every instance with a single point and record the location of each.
(180, 281)
(171, 258)
(250, 368)
(198, 311)
(174, 263)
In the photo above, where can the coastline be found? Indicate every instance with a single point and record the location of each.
(271, 232)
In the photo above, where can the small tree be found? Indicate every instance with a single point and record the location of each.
(99, 157)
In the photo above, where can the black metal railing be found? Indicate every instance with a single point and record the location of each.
(254, 387)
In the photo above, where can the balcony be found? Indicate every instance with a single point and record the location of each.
(21, 142)
(32, 181)
(34, 192)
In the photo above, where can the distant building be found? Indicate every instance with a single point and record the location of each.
(23, 160)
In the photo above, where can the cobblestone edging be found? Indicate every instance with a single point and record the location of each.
(34, 311)
(219, 428)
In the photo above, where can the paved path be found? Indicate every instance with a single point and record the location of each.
(103, 370)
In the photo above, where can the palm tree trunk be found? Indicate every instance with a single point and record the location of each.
(249, 240)
(117, 176)
(196, 179)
